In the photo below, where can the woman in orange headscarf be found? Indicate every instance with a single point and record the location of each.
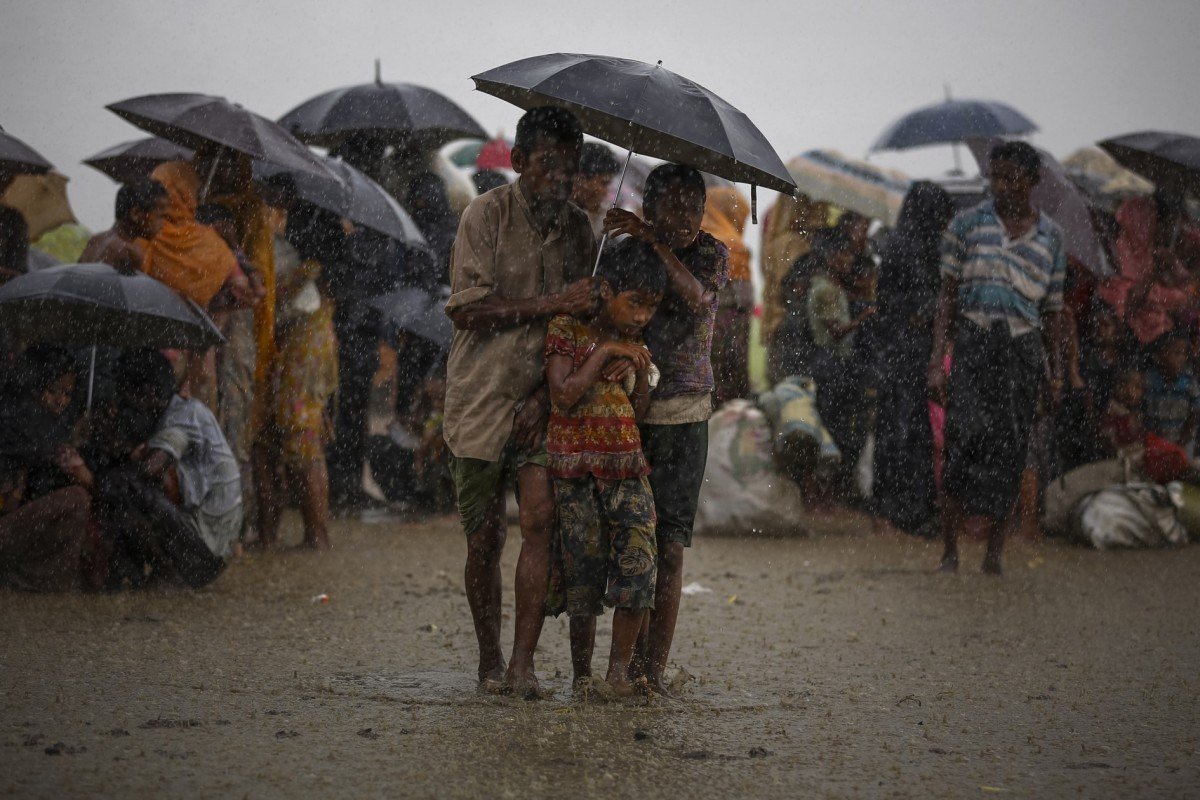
(725, 213)
(189, 257)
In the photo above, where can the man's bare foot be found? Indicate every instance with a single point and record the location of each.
(524, 684)
(491, 673)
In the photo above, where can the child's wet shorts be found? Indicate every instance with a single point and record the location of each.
(605, 551)
(477, 482)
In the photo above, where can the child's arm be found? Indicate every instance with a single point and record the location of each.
(639, 398)
(567, 387)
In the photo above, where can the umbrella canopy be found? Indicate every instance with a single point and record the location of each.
(199, 120)
(645, 109)
(828, 176)
(401, 114)
(1099, 174)
(351, 194)
(469, 154)
(1058, 196)
(41, 199)
(133, 161)
(953, 121)
(17, 158)
(418, 312)
(93, 304)
(1163, 158)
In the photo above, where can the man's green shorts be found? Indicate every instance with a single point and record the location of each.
(478, 482)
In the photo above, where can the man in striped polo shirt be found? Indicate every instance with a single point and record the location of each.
(1003, 264)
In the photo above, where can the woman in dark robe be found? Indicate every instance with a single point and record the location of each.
(903, 490)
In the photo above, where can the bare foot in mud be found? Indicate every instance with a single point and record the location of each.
(590, 689)
(524, 685)
(618, 683)
(318, 544)
(491, 677)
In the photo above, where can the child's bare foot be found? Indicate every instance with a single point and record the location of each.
(491, 676)
(618, 683)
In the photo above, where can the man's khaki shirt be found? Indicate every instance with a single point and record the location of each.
(500, 251)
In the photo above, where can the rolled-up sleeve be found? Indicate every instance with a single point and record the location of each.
(472, 259)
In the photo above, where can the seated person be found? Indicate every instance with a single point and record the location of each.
(175, 503)
(44, 499)
(1172, 393)
(139, 215)
(1121, 425)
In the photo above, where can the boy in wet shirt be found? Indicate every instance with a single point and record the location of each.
(606, 521)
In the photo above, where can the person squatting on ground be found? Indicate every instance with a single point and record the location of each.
(1003, 264)
(605, 535)
(45, 487)
(674, 430)
(523, 255)
(175, 503)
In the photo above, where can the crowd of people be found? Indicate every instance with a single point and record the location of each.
(961, 361)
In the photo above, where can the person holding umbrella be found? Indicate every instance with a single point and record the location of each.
(522, 255)
(1003, 265)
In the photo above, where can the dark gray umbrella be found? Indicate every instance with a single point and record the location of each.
(401, 114)
(17, 158)
(418, 312)
(130, 162)
(645, 109)
(1163, 158)
(198, 121)
(350, 194)
(953, 121)
(93, 304)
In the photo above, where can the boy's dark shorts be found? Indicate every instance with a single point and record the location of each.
(678, 455)
(477, 482)
(605, 553)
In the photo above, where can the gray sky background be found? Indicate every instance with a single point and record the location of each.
(811, 75)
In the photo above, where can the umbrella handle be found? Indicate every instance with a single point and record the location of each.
(212, 172)
(616, 196)
(91, 378)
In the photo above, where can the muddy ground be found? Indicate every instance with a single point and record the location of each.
(836, 665)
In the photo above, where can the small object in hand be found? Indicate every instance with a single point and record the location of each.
(653, 375)
(322, 599)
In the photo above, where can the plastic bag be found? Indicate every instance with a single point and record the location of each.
(1137, 515)
(742, 492)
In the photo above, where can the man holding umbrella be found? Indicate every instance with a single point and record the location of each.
(1003, 264)
(522, 255)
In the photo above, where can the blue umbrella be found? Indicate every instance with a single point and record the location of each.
(953, 121)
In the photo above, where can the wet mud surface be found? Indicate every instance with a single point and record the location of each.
(836, 665)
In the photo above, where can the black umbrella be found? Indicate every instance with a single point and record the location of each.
(350, 194)
(401, 114)
(199, 120)
(1163, 158)
(130, 162)
(93, 304)
(645, 109)
(17, 158)
(418, 312)
(953, 121)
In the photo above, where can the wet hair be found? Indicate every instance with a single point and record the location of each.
(141, 195)
(316, 234)
(597, 159)
(850, 218)
(662, 176)
(549, 122)
(39, 367)
(631, 265)
(926, 209)
(212, 213)
(1022, 154)
(14, 239)
(827, 241)
(145, 371)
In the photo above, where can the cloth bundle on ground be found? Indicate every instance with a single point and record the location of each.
(1137, 515)
(742, 492)
(801, 442)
